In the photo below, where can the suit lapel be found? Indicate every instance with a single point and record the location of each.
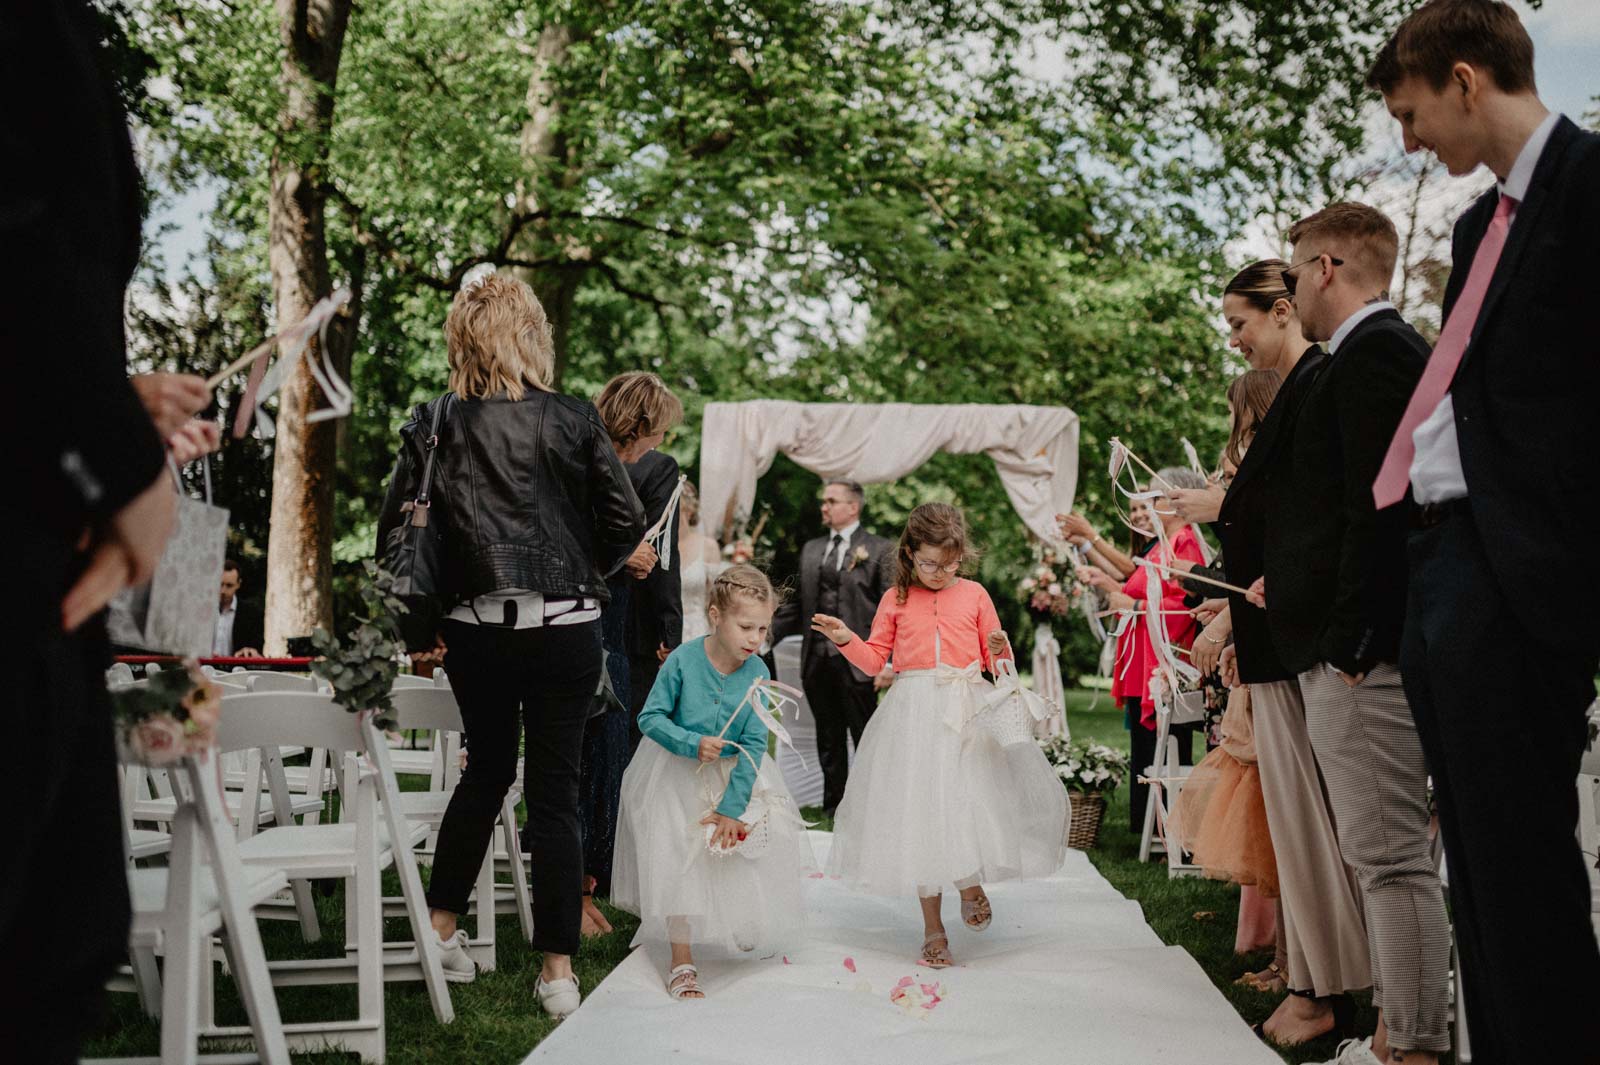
(1523, 224)
(1272, 426)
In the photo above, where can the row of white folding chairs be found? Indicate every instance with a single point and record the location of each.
(373, 834)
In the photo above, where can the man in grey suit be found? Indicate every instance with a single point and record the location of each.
(843, 573)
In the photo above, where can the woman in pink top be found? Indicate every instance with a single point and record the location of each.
(930, 800)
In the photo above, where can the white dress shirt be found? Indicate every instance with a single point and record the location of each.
(1348, 326)
(844, 548)
(1436, 473)
(222, 639)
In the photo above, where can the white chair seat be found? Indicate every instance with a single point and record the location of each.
(426, 806)
(148, 891)
(147, 843)
(312, 852)
(416, 763)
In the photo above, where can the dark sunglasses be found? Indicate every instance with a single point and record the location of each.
(1288, 271)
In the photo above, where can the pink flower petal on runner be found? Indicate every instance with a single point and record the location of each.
(814, 876)
(786, 960)
(850, 964)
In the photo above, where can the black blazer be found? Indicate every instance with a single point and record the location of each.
(1525, 393)
(655, 605)
(861, 586)
(249, 625)
(69, 221)
(1241, 526)
(1335, 565)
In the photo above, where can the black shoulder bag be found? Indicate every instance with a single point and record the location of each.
(414, 553)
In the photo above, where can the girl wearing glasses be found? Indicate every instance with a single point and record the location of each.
(930, 800)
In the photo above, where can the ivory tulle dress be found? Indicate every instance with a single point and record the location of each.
(931, 802)
(664, 872)
(1222, 818)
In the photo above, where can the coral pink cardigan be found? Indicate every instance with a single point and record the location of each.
(962, 614)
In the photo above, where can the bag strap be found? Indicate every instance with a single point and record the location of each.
(422, 503)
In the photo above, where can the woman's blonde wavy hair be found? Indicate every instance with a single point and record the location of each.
(637, 404)
(498, 340)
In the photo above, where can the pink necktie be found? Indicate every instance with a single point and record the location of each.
(1395, 473)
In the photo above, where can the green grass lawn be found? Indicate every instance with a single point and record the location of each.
(498, 1022)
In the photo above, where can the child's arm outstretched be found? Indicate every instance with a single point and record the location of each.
(869, 655)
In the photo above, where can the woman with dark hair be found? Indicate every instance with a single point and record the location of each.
(1323, 950)
(535, 510)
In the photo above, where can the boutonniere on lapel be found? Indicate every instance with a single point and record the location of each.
(858, 556)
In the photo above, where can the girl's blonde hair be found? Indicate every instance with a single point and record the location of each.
(743, 581)
(930, 525)
(498, 340)
(635, 404)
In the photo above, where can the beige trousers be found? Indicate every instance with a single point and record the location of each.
(1325, 937)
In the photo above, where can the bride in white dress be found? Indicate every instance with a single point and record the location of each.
(701, 558)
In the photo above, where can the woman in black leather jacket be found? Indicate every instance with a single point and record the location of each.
(536, 512)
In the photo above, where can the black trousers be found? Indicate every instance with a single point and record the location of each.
(536, 683)
(842, 706)
(1501, 715)
(64, 894)
(1142, 751)
(642, 671)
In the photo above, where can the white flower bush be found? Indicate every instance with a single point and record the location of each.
(1091, 768)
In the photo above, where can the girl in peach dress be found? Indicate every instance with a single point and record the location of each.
(1222, 819)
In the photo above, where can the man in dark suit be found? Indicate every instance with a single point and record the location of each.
(1502, 635)
(1335, 592)
(71, 200)
(239, 621)
(845, 574)
(655, 602)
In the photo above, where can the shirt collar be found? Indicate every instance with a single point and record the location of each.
(1516, 183)
(846, 532)
(1342, 334)
(233, 607)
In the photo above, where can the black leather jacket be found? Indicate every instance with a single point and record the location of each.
(530, 492)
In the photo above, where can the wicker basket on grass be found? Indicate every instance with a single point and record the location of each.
(1088, 811)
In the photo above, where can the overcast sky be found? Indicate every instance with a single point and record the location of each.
(1566, 36)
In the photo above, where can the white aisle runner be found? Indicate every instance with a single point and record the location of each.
(1068, 973)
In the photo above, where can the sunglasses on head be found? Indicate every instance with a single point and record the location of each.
(1288, 271)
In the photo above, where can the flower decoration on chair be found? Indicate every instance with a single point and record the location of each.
(1092, 768)
(1051, 589)
(170, 716)
(361, 669)
(740, 543)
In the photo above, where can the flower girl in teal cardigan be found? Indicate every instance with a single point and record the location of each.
(710, 847)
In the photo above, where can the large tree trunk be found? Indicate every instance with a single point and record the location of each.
(544, 153)
(300, 546)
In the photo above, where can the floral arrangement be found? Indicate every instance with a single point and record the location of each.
(170, 716)
(362, 669)
(1091, 768)
(1051, 589)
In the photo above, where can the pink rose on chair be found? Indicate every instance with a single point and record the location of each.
(158, 741)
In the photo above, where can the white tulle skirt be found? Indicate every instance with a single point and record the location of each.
(680, 891)
(930, 805)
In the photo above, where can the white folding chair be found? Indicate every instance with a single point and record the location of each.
(436, 709)
(425, 761)
(372, 835)
(204, 890)
(1166, 777)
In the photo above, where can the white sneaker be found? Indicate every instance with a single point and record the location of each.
(1355, 1052)
(558, 997)
(459, 968)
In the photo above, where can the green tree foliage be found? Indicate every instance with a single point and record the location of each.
(844, 201)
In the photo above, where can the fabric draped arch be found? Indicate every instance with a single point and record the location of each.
(1034, 449)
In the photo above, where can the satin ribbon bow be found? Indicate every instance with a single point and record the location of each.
(959, 713)
(1007, 685)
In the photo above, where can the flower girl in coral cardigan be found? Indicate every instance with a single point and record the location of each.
(932, 799)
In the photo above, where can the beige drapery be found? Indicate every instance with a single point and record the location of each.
(1034, 449)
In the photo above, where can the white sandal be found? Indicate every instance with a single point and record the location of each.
(684, 982)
